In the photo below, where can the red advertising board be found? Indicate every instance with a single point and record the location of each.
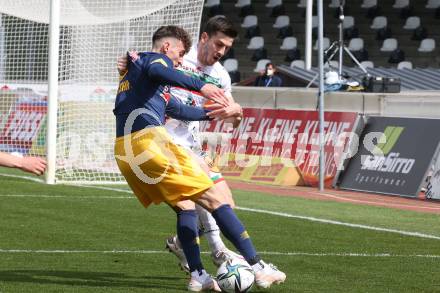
(22, 125)
(290, 135)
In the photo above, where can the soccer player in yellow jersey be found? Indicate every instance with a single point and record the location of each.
(159, 170)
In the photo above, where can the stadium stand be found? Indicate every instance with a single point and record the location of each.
(370, 20)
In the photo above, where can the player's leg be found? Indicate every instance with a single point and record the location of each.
(219, 252)
(167, 174)
(187, 231)
(216, 202)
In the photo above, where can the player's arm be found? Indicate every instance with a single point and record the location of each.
(29, 164)
(233, 113)
(176, 109)
(162, 71)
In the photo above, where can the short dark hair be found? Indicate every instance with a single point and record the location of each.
(220, 24)
(269, 64)
(172, 31)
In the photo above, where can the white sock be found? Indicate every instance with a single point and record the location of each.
(215, 242)
(210, 229)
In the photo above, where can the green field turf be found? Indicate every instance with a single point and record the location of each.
(76, 239)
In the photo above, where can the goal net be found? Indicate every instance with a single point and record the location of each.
(92, 34)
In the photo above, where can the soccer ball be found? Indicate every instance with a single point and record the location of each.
(235, 276)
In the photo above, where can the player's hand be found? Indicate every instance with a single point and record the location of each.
(122, 64)
(34, 165)
(215, 94)
(232, 110)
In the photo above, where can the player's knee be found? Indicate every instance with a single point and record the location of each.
(184, 205)
(210, 202)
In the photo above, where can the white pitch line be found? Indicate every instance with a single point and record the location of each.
(286, 215)
(273, 253)
(313, 219)
(35, 179)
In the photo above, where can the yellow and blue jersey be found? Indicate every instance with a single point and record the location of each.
(145, 86)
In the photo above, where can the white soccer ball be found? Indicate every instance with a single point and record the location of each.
(235, 276)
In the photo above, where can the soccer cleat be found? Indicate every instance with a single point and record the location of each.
(267, 274)
(174, 248)
(202, 281)
(221, 256)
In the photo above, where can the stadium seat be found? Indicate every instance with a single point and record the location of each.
(261, 65)
(289, 43)
(281, 21)
(427, 45)
(256, 43)
(242, 3)
(298, 63)
(412, 23)
(379, 22)
(231, 66)
(366, 4)
(211, 3)
(348, 22)
(405, 65)
(326, 44)
(433, 4)
(399, 4)
(389, 45)
(274, 3)
(356, 44)
(367, 64)
(350, 31)
(250, 21)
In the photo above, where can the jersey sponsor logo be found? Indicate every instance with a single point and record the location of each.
(123, 86)
(161, 61)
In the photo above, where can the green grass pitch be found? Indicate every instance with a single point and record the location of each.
(80, 239)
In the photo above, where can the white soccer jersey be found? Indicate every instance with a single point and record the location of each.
(186, 133)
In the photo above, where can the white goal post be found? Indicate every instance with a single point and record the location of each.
(72, 76)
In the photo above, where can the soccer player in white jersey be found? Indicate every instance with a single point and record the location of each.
(202, 62)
